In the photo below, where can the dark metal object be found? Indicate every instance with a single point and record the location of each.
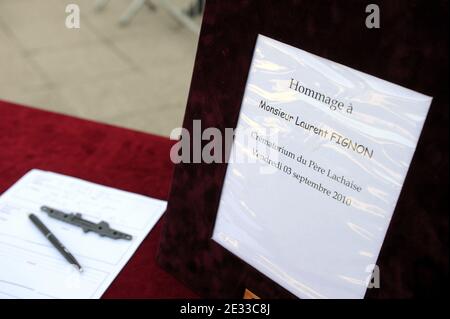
(102, 228)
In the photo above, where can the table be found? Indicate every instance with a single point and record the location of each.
(100, 153)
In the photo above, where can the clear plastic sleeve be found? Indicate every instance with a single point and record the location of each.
(318, 162)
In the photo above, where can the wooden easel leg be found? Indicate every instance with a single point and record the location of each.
(131, 11)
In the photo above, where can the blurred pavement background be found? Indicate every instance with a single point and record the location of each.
(136, 76)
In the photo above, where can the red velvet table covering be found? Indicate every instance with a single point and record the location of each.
(104, 154)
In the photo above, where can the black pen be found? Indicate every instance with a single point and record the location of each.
(55, 242)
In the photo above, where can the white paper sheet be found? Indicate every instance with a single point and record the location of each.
(30, 267)
(314, 218)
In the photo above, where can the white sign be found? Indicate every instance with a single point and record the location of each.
(326, 150)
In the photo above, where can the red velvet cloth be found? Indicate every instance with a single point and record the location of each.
(410, 49)
(104, 154)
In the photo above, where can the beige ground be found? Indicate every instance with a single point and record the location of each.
(136, 76)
